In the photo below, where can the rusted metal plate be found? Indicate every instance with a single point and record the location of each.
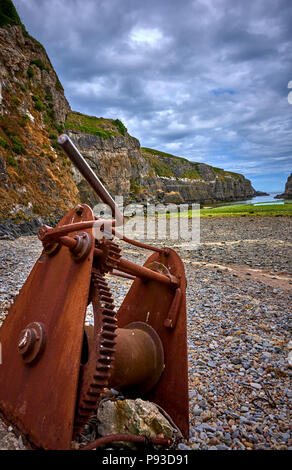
(40, 397)
(150, 302)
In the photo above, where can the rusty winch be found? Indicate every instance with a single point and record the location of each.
(54, 368)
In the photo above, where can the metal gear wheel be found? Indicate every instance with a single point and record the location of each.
(97, 352)
(110, 257)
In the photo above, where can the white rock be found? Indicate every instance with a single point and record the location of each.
(229, 338)
(20, 443)
(255, 385)
(289, 358)
(30, 116)
(289, 345)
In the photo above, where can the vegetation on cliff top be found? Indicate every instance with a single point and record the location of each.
(102, 127)
(163, 164)
(9, 16)
(162, 154)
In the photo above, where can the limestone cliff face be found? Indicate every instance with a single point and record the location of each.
(147, 175)
(113, 159)
(288, 189)
(181, 180)
(35, 176)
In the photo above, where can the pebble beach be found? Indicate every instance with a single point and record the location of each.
(239, 329)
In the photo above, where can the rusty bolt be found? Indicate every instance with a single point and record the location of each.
(31, 341)
(82, 247)
(79, 209)
(26, 340)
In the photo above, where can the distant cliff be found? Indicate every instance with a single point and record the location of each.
(37, 180)
(147, 175)
(288, 190)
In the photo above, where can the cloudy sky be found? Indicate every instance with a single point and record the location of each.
(203, 79)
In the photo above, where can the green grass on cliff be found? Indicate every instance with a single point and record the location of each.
(164, 167)
(8, 14)
(242, 210)
(162, 154)
(102, 127)
(223, 173)
(191, 174)
(160, 168)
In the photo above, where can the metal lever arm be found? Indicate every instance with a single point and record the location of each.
(75, 156)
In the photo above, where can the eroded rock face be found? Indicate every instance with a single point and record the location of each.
(3, 175)
(132, 417)
(127, 171)
(35, 176)
(288, 189)
(18, 55)
(113, 160)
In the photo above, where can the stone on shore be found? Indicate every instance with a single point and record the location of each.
(132, 417)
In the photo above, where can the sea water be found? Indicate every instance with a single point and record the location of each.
(258, 200)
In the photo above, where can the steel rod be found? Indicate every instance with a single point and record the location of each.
(48, 234)
(120, 274)
(77, 159)
(141, 271)
(145, 273)
(136, 243)
(68, 241)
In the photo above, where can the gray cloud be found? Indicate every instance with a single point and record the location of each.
(202, 79)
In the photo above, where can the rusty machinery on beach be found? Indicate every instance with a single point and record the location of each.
(54, 368)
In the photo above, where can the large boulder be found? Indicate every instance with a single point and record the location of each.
(132, 417)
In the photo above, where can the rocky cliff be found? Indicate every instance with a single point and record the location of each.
(35, 178)
(38, 182)
(288, 190)
(148, 175)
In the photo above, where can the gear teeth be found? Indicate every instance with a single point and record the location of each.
(109, 335)
(107, 351)
(110, 328)
(107, 344)
(106, 299)
(105, 360)
(85, 412)
(104, 292)
(109, 310)
(111, 255)
(101, 368)
(101, 377)
(109, 321)
(104, 311)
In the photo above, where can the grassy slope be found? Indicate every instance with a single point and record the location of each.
(104, 128)
(166, 167)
